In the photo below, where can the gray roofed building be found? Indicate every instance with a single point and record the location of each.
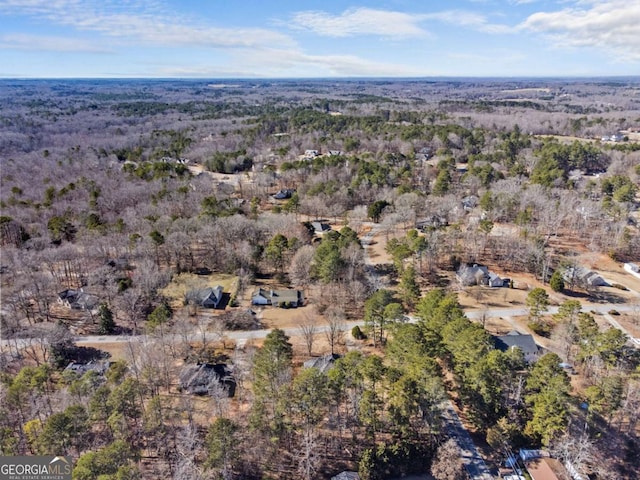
(320, 227)
(583, 277)
(100, 367)
(324, 363)
(346, 475)
(524, 342)
(434, 221)
(277, 298)
(284, 194)
(77, 299)
(472, 275)
(201, 378)
(478, 275)
(209, 297)
(469, 202)
(494, 280)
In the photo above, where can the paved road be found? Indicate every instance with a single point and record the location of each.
(243, 336)
(471, 458)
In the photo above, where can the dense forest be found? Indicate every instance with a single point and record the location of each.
(121, 191)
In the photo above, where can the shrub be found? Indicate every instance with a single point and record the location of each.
(613, 312)
(540, 328)
(233, 301)
(357, 333)
(556, 282)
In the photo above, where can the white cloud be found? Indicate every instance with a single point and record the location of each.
(368, 21)
(359, 21)
(471, 20)
(142, 21)
(255, 51)
(612, 26)
(19, 41)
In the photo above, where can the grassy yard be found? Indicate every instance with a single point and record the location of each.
(184, 282)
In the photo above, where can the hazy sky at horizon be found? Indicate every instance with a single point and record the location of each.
(332, 38)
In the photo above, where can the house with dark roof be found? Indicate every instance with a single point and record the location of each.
(209, 297)
(524, 342)
(494, 280)
(277, 298)
(99, 366)
(434, 221)
(424, 154)
(469, 202)
(202, 378)
(284, 194)
(346, 475)
(478, 275)
(324, 363)
(78, 299)
(472, 275)
(583, 277)
(320, 228)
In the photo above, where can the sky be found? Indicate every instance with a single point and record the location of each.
(318, 39)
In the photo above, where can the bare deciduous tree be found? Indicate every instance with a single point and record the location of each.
(300, 267)
(308, 458)
(448, 463)
(335, 327)
(308, 331)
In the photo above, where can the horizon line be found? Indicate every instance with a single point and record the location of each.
(341, 78)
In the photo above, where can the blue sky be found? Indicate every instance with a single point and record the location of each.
(330, 38)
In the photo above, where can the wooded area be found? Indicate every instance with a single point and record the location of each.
(360, 212)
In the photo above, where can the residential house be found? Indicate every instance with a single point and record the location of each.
(478, 275)
(284, 194)
(541, 466)
(346, 475)
(277, 298)
(494, 280)
(524, 342)
(311, 154)
(434, 221)
(583, 277)
(181, 161)
(78, 299)
(470, 202)
(423, 154)
(100, 367)
(202, 379)
(320, 228)
(324, 363)
(617, 137)
(334, 153)
(633, 269)
(206, 297)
